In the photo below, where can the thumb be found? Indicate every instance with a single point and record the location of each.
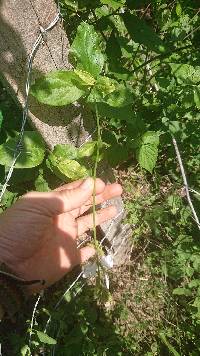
(75, 198)
(57, 202)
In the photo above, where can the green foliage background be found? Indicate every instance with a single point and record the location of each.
(138, 64)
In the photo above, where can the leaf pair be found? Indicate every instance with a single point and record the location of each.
(63, 161)
(66, 87)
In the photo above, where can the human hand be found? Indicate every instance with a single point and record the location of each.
(38, 233)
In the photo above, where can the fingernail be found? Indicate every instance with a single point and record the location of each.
(87, 184)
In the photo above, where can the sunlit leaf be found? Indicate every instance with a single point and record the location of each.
(58, 88)
(72, 169)
(44, 338)
(25, 351)
(147, 151)
(86, 49)
(87, 149)
(118, 98)
(64, 151)
(185, 73)
(178, 9)
(114, 4)
(73, 4)
(41, 184)
(182, 291)
(87, 78)
(167, 343)
(62, 163)
(105, 85)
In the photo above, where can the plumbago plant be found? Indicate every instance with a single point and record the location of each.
(109, 97)
(136, 80)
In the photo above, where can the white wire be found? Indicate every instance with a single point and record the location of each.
(185, 182)
(19, 148)
(178, 155)
(194, 191)
(33, 317)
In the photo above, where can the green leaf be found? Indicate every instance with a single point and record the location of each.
(44, 338)
(86, 49)
(182, 291)
(178, 9)
(185, 73)
(147, 150)
(65, 151)
(119, 98)
(62, 164)
(86, 78)
(105, 85)
(1, 119)
(174, 202)
(113, 49)
(25, 351)
(41, 184)
(117, 94)
(141, 33)
(87, 149)
(9, 198)
(73, 4)
(194, 283)
(197, 96)
(58, 88)
(72, 169)
(114, 4)
(84, 328)
(32, 154)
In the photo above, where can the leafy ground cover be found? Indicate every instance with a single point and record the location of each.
(137, 65)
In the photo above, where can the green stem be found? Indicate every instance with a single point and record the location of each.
(94, 192)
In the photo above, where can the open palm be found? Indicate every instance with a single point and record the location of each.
(38, 234)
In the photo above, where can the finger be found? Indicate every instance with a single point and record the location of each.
(100, 185)
(111, 191)
(71, 185)
(86, 253)
(85, 223)
(75, 198)
(58, 202)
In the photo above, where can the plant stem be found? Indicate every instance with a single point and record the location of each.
(94, 192)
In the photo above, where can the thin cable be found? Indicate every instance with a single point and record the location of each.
(185, 182)
(194, 191)
(33, 317)
(19, 145)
